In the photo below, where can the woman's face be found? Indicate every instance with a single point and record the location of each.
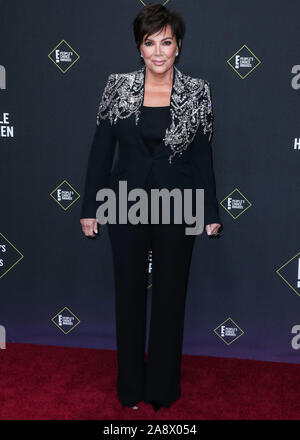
(159, 50)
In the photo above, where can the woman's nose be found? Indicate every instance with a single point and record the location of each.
(157, 50)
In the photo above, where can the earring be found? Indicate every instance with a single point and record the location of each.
(142, 55)
(176, 53)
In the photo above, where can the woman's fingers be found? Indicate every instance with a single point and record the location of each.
(89, 226)
(212, 229)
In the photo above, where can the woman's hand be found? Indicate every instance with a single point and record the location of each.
(89, 226)
(212, 229)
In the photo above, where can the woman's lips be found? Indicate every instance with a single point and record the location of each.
(159, 63)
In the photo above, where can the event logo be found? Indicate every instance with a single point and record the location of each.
(9, 255)
(150, 262)
(2, 78)
(290, 273)
(235, 203)
(63, 56)
(149, 269)
(228, 331)
(65, 195)
(65, 321)
(145, 3)
(6, 129)
(243, 61)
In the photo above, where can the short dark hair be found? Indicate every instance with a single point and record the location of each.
(152, 18)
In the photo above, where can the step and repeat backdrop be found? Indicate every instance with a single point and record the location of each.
(57, 286)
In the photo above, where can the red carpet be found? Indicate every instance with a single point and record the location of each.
(49, 382)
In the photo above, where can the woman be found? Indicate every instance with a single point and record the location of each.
(162, 120)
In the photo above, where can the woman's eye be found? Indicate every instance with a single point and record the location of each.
(149, 43)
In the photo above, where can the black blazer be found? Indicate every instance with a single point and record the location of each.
(182, 160)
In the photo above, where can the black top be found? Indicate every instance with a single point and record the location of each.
(153, 124)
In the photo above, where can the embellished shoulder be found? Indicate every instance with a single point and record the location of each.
(206, 111)
(106, 98)
(116, 101)
(204, 103)
(190, 110)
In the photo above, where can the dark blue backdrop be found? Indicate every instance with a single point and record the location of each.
(56, 285)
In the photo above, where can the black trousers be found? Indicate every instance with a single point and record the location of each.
(158, 377)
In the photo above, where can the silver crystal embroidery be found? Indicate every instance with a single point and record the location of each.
(190, 105)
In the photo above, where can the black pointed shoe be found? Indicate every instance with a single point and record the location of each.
(156, 405)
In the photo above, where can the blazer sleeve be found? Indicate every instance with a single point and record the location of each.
(202, 158)
(100, 157)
